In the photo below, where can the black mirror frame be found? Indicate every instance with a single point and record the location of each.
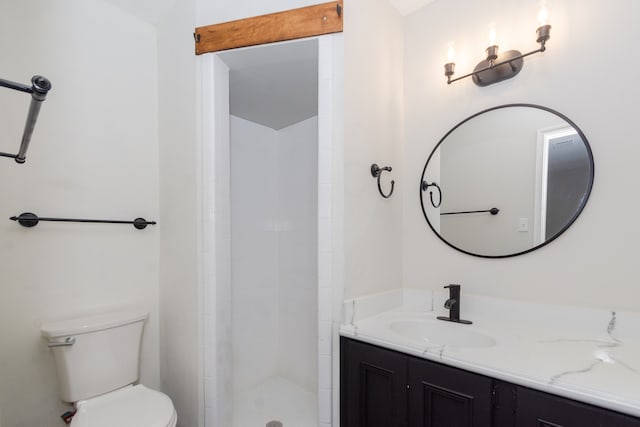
(546, 242)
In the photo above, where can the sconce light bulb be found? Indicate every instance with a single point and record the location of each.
(492, 35)
(451, 53)
(543, 15)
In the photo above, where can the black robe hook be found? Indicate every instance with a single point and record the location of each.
(376, 171)
(426, 185)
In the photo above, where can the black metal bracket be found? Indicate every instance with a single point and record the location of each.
(426, 185)
(492, 211)
(376, 172)
(28, 219)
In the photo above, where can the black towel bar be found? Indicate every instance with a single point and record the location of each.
(492, 211)
(28, 219)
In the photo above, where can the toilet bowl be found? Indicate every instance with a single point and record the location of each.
(97, 362)
(129, 406)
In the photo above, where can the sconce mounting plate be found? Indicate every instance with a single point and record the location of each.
(506, 68)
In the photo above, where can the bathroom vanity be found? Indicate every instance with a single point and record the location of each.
(381, 387)
(403, 367)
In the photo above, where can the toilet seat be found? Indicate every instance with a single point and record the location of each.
(132, 406)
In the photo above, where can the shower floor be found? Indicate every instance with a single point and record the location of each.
(275, 399)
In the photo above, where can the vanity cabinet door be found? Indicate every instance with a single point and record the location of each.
(537, 409)
(373, 386)
(442, 396)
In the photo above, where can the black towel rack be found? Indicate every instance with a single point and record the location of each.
(39, 88)
(492, 211)
(28, 219)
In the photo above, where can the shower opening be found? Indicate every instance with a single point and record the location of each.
(266, 306)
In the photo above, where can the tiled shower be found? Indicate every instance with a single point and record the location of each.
(274, 273)
(272, 252)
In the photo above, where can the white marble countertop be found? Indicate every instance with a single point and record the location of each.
(588, 355)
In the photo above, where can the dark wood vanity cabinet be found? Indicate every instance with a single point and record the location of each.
(537, 409)
(440, 395)
(385, 388)
(373, 386)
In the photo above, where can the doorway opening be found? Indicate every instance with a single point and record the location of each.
(269, 126)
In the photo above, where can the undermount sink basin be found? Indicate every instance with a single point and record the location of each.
(440, 333)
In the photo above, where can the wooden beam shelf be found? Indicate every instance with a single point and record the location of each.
(325, 18)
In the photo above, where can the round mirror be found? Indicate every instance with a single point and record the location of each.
(507, 180)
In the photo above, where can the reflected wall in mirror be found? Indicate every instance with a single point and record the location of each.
(512, 179)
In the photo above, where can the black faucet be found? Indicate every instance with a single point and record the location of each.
(453, 305)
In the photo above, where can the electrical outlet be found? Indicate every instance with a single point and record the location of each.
(523, 225)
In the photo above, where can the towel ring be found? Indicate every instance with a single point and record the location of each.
(426, 185)
(376, 172)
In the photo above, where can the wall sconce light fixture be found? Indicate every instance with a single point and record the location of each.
(498, 67)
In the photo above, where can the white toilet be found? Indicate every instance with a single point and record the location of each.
(97, 360)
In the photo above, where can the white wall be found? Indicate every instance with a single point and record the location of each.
(373, 57)
(594, 262)
(273, 241)
(94, 155)
(182, 375)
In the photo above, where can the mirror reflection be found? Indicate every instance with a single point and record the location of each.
(507, 180)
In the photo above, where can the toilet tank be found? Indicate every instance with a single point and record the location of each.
(99, 353)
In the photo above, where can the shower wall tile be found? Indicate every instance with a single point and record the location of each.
(324, 372)
(208, 293)
(324, 338)
(324, 405)
(210, 417)
(254, 253)
(215, 241)
(324, 200)
(210, 331)
(324, 270)
(297, 174)
(332, 51)
(325, 154)
(329, 193)
(324, 304)
(324, 235)
(297, 252)
(325, 64)
(210, 390)
(209, 368)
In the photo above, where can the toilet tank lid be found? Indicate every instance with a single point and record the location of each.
(83, 325)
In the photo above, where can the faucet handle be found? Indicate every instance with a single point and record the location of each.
(452, 286)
